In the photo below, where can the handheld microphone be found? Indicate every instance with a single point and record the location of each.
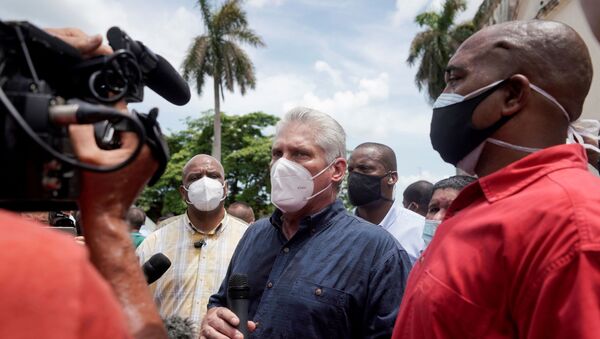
(158, 73)
(238, 292)
(155, 267)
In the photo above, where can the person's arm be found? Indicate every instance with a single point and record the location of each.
(386, 287)
(566, 302)
(104, 200)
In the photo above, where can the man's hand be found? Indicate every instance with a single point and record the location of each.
(220, 323)
(87, 45)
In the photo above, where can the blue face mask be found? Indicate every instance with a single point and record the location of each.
(429, 230)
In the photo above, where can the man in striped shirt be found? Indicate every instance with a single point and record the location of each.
(199, 243)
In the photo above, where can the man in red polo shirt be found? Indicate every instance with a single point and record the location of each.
(518, 255)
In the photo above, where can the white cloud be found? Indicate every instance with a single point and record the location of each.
(262, 3)
(334, 74)
(407, 10)
(347, 101)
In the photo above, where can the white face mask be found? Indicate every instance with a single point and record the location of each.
(292, 185)
(576, 129)
(429, 230)
(469, 163)
(205, 194)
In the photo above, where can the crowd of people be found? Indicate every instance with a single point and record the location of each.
(510, 248)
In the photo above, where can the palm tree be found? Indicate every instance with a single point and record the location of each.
(218, 55)
(435, 45)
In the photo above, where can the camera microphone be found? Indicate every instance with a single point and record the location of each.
(199, 243)
(158, 73)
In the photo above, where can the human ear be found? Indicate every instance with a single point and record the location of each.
(516, 95)
(393, 178)
(182, 193)
(339, 170)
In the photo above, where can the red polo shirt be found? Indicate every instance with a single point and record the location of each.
(49, 289)
(518, 256)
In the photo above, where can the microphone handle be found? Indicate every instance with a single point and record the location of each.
(240, 308)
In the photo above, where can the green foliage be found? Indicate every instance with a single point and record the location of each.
(434, 46)
(246, 157)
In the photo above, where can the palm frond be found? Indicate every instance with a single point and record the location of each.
(245, 35)
(419, 43)
(433, 47)
(458, 34)
(429, 19)
(197, 59)
(449, 11)
(239, 67)
(206, 15)
(229, 17)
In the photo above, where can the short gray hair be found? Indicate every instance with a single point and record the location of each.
(328, 133)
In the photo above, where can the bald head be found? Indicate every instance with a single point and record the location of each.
(380, 153)
(242, 211)
(203, 161)
(550, 54)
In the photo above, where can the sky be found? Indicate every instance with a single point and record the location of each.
(346, 58)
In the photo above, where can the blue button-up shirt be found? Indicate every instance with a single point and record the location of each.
(338, 277)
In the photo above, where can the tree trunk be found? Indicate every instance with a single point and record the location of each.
(216, 147)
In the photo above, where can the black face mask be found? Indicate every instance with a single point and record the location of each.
(452, 133)
(364, 189)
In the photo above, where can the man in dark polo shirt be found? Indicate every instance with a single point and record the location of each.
(314, 270)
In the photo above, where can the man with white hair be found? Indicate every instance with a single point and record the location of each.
(314, 270)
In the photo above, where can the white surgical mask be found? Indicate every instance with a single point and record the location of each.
(576, 129)
(292, 185)
(429, 230)
(205, 194)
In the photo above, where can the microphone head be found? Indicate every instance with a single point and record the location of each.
(238, 287)
(166, 82)
(114, 35)
(180, 328)
(155, 267)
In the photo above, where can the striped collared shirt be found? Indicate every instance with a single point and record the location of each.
(195, 273)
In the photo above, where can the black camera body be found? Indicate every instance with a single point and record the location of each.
(41, 77)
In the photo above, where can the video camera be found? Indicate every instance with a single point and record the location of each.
(46, 85)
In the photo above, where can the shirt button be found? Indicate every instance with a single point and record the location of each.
(318, 292)
(286, 249)
(269, 285)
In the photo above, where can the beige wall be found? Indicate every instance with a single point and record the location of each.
(570, 12)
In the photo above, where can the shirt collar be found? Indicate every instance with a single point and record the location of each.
(191, 228)
(318, 221)
(522, 173)
(391, 215)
